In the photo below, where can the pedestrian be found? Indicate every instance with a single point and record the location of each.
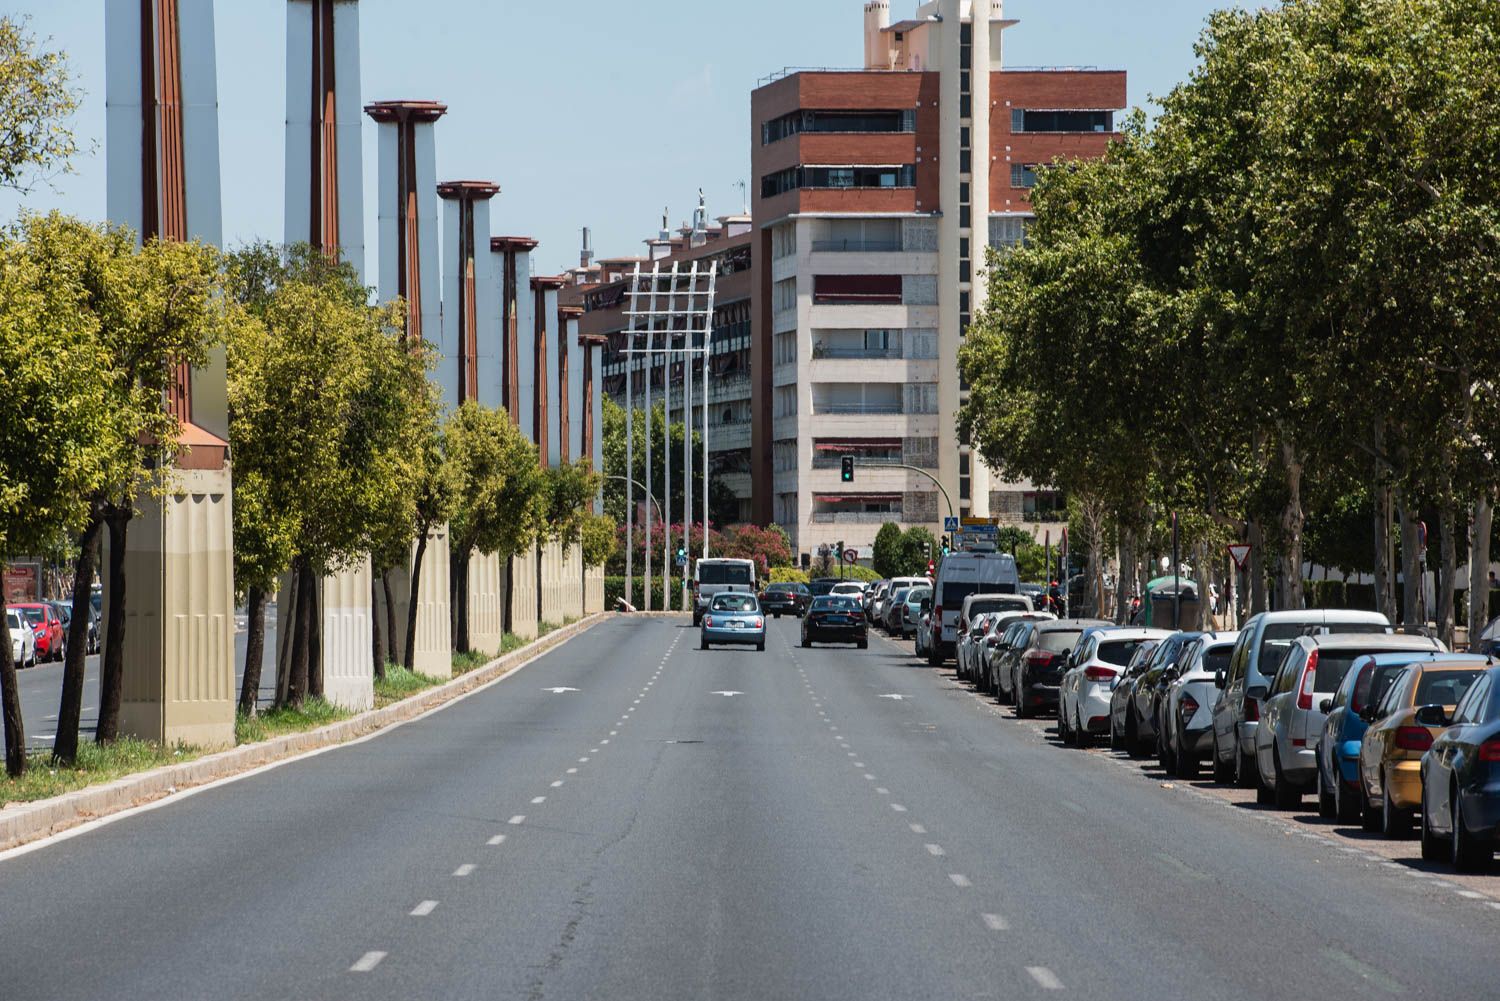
(1213, 603)
(1493, 582)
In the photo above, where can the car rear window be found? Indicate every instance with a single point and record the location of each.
(954, 594)
(1278, 637)
(1118, 652)
(1445, 688)
(733, 603)
(997, 605)
(835, 603)
(820, 587)
(1331, 669)
(1058, 640)
(1217, 659)
(1372, 684)
(33, 615)
(723, 573)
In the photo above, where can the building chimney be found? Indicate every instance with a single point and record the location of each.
(877, 48)
(699, 235)
(586, 255)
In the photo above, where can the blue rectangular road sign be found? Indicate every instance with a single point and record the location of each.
(950, 524)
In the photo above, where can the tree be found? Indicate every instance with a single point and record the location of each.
(721, 500)
(768, 547)
(600, 540)
(886, 553)
(499, 505)
(36, 97)
(54, 405)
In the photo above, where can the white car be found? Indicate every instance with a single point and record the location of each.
(852, 588)
(1186, 727)
(1083, 700)
(22, 639)
(967, 639)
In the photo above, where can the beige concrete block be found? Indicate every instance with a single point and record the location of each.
(593, 591)
(348, 647)
(432, 654)
(522, 593)
(572, 576)
(486, 602)
(552, 583)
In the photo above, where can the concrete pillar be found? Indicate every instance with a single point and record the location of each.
(486, 602)
(546, 399)
(407, 209)
(981, 159)
(522, 594)
(433, 653)
(511, 272)
(468, 366)
(553, 607)
(346, 645)
(578, 402)
(162, 149)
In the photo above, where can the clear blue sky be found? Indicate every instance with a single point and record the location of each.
(592, 113)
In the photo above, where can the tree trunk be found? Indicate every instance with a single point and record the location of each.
(1257, 541)
(313, 636)
(1385, 592)
(285, 638)
(70, 710)
(390, 618)
(377, 632)
(1292, 519)
(507, 611)
(255, 648)
(410, 656)
(458, 569)
(1479, 567)
(297, 674)
(1447, 571)
(10, 703)
(112, 664)
(1411, 574)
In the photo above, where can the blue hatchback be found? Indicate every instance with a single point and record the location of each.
(1350, 713)
(733, 617)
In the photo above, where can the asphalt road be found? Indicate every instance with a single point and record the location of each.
(41, 687)
(631, 818)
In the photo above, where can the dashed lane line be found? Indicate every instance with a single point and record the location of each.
(1045, 978)
(498, 839)
(994, 922)
(519, 818)
(464, 870)
(367, 962)
(423, 909)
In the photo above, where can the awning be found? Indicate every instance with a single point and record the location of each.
(856, 446)
(845, 498)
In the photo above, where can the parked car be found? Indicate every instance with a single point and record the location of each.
(1461, 778)
(785, 599)
(1119, 696)
(960, 575)
(22, 639)
(924, 628)
(1292, 715)
(45, 623)
(883, 604)
(892, 609)
(872, 595)
(911, 610)
(1037, 672)
(1350, 711)
(1083, 701)
(91, 634)
(733, 617)
(712, 577)
(1263, 642)
(835, 618)
(995, 648)
(849, 588)
(1185, 720)
(966, 638)
(1390, 756)
(1146, 696)
(1014, 639)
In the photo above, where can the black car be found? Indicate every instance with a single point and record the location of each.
(785, 599)
(835, 618)
(1040, 668)
(1461, 778)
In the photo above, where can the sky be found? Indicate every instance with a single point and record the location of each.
(587, 114)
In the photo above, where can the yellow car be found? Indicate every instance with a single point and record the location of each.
(1390, 756)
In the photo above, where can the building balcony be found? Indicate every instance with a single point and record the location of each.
(857, 246)
(857, 409)
(853, 517)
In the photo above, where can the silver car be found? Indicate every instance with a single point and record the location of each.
(1292, 715)
(1187, 718)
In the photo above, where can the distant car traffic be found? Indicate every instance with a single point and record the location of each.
(713, 576)
(22, 639)
(47, 627)
(733, 618)
(785, 599)
(835, 618)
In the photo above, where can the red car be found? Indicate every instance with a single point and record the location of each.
(48, 628)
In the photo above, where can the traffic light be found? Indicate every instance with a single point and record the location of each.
(927, 550)
(946, 545)
(839, 549)
(806, 561)
(846, 469)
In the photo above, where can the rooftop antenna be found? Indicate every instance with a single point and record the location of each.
(744, 198)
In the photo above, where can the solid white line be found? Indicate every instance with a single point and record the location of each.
(1471, 894)
(959, 880)
(423, 909)
(498, 839)
(464, 869)
(557, 783)
(367, 962)
(519, 818)
(538, 799)
(934, 849)
(898, 808)
(1045, 978)
(994, 922)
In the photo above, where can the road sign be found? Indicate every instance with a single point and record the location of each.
(681, 560)
(1239, 552)
(851, 555)
(950, 524)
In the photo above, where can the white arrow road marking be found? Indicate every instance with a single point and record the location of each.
(893, 695)
(728, 694)
(559, 690)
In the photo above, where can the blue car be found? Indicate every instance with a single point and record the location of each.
(1350, 713)
(733, 618)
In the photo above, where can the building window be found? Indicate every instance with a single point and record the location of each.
(1027, 120)
(1022, 175)
(901, 120)
(838, 289)
(890, 176)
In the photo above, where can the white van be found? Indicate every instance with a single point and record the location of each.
(960, 575)
(714, 575)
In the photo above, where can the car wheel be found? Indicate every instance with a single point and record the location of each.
(703, 644)
(1469, 853)
(1116, 743)
(1432, 845)
(1187, 765)
(1132, 737)
(1062, 726)
(775, 615)
(760, 648)
(1327, 808)
(1164, 756)
(862, 644)
(1286, 795)
(1246, 774)
(1394, 823)
(1223, 770)
(1369, 817)
(1081, 736)
(1346, 807)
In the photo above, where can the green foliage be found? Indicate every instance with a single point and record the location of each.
(95, 764)
(569, 491)
(312, 714)
(916, 545)
(600, 539)
(502, 495)
(614, 587)
(887, 553)
(36, 99)
(786, 575)
(768, 547)
(722, 504)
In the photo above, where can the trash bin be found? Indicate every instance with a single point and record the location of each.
(1164, 592)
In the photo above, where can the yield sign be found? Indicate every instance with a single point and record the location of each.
(1239, 552)
(728, 694)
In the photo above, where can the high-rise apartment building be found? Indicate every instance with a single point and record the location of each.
(876, 192)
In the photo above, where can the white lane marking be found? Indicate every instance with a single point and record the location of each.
(728, 695)
(898, 808)
(423, 909)
(557, 783)
(519, 818)
(603, 742)
(918, 829)
(1070, 805)
(869, 777)
(882, 790)
(613, 732)
(1471, 894)
(582, 760)
(1045, 978)
(538, 799)
(559, 689)
(894, 696)
(859, 764)
(851, 753)
(959, 880)
(498, 839)
(572, 771)
(367, 962)
(636, 702)
(1495, 905)
(464, 869)
(994, 922)
(934, 849)
(592, 750)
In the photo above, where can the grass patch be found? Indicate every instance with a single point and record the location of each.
(463, 663)
(275, 722)
(95, 764)
(510, 642)
(399, 683)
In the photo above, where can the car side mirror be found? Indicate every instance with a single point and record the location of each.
(1432, 716)
(1257, 692)
(926, 604)
(1325, 707)
(1219, 679)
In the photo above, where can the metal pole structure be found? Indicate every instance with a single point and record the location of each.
(914, 469)
(708, 337)
(630, 459)
(1176, 584)
(1066, 582)
(650, 498)
(650, 423)
(666, 445)
(687, 439)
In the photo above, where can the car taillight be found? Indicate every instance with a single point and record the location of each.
(708, 620)
(1356, 700)
(1038, 657)
(1188, 707)
(1252, 711)
(1098, 673)
(1489, 751)
(937, 613)
(1413, 738)
(759, 623)
(1309, 679)
(992, 641)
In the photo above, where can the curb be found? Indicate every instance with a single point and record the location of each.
(27, 822)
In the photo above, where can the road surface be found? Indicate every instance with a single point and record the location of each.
(631, 818)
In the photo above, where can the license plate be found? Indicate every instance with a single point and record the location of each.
(736, 624)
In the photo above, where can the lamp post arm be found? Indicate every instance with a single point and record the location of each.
(914, 469)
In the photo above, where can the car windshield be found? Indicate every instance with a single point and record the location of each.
(1445, 688)
(1278, 637)
(820, 587)
(1118, 652)
(13, 620)
(899, 597)
(733, 603)
(917, 595)
(724, 573)
(835, 603)
(1058, 640)
(33, 615)
(782, 588)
